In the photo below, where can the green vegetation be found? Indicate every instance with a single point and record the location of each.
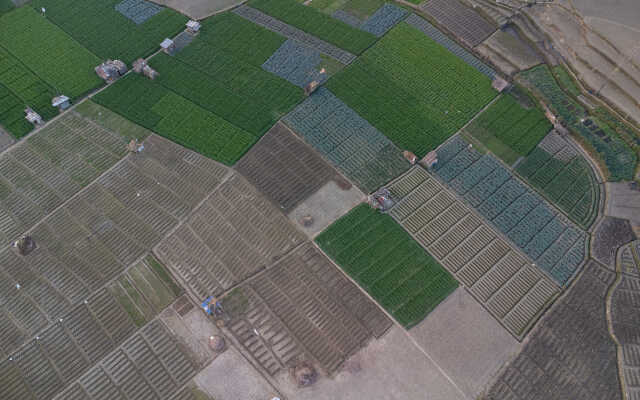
(150, 287)
(330, 64)
(566, 80)
(627, 133)
(111, 121)
(123, 298)
(616, 157)
(48, 52)
(162, 273)
(412, 89)
(156, 108)
(98, 26)
(387, 263)
(12, 113)
(570, 184)
(362, 8)
(509, 130)
(317, 23)
(6, 6)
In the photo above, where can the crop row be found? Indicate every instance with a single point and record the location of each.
(317, 23)
(384, 19)
(296, 63)
(387, 263)
(12, 113)
(412, 89)
(97, 25)
(617, 156)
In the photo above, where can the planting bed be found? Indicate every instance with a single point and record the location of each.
(443, 40)
(177, 118)
(412, 89)
(564, 177)
(555, 244)
(296, 63)
(291, 32)
(103, 29)
(138, 11)
(618, 158)
(570, 355)
(508, 129)
(49, 52)
(285, 169)
(317, 24)
(348, 141)
(303, 308)
(462, 21)
(387, 263)
(492, 270)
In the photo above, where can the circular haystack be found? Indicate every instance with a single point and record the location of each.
(217, 343)
(305, 375)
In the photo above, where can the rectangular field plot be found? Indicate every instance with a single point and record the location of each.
(296, 63)
(462, 21)
(284, 168)
(230, 237)
(508, 129)
(412, 89)
(557, 246)
(49, 52)
(348, 141)
(387, 263)
(112, 28)
(570, 355)
(494, 272)
(317, 23)
(89, 240)
(563, 176)
(153, 106)
(302, 307)
(39, 174)
(153, 364)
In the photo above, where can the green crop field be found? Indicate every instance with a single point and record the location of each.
(156, 108)
(570, 184)
(616, 157)
(387, 263)
(412, 89)
(6, 6)
(317, 23)
(12, 113)
(98, 26)
(225, 84)
(358, 8)
(49, 52)
(566, 81)
(508, 129)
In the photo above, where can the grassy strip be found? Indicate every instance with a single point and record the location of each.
(317, 23)
(412, 89)
(387, 263)
(162, 273)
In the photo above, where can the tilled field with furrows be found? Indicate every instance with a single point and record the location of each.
(284, 168)
(150, 365)
(462, 21)
(99, 232)
(570, 355)
(495, 273)
(234, 234)
(288, 313)
(40, 173)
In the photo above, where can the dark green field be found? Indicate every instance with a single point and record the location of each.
(387, 263)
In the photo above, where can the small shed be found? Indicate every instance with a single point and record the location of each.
(32, 116)
(430, 159)
(168, 46)
(25, 245)
(311, 87)
(61, 102)
(111, 70)
(193, 27)
(140, 66)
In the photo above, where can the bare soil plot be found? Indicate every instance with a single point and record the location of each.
(610, 234)
(500, 277)
(508, 50)
(459, 19)
(466, 341)
(570, 355)
(623, 201)
(286, 169)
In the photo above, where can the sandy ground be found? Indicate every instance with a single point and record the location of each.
(466, 341)
(329, 203)
(624, 12)
(199, 9)
(391, 368)
(622, 202)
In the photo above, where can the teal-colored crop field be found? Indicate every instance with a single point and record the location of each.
(617, 158)
(98, 26)
(569, 183)
(317, 23)
(387, 263)
(48, 52)
(508, 129)
(412, 89)
(156, 108)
